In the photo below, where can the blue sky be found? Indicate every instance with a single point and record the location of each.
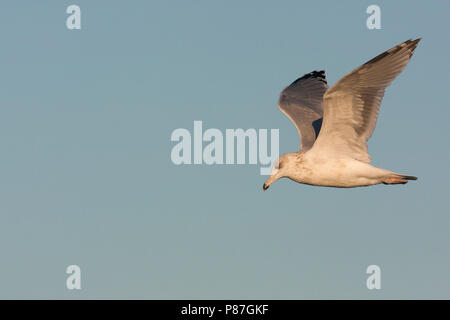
(86, 176)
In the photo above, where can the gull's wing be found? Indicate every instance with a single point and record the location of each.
(351, 105)
(301, 102)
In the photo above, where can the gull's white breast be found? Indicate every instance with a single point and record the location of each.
(330, 172)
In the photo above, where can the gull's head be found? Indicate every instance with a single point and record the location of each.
(279, 171)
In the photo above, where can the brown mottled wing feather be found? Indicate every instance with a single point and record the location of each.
(301, 102)
(351, 105)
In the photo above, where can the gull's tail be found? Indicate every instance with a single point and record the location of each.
(396, 178)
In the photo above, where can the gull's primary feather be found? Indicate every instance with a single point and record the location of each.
(301, 102)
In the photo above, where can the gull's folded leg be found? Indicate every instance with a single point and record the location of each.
(398, 179)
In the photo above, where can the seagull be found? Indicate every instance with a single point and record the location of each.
(335, 123)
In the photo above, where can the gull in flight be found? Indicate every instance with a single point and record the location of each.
(335, 123)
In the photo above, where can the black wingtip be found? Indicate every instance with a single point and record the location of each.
(414, 42)
(320, 75)
(410, 44)
(413, 45)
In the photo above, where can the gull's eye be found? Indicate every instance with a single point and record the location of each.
(280, 165)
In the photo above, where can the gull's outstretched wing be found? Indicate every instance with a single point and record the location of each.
(351, 105)
(301, 102)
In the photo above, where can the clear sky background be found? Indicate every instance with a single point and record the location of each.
(86, 176)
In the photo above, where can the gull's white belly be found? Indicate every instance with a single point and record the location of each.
(344, 173)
